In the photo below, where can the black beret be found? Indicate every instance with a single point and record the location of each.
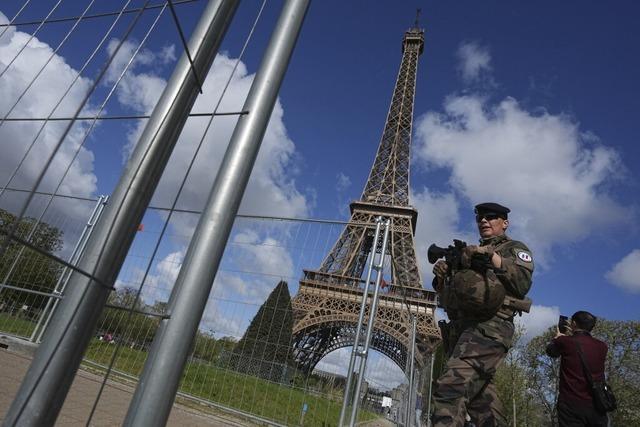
(492, 208)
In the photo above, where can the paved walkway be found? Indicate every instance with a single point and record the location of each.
(380, 422)
(113, 404)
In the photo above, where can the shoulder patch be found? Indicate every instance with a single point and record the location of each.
(524, 256)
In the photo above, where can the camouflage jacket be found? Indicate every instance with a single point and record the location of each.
(517, 264)
(515, 275)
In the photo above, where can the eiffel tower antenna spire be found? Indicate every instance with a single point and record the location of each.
(327, 304)
(417, 24)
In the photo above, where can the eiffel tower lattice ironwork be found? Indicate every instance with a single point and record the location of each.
(327, 304)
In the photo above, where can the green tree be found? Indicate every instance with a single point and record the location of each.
(542, 375)
(205, 347)
(513, 388)
(622, 367)
(137, 330)
(227, 344)
(32, 269)
(265, 348)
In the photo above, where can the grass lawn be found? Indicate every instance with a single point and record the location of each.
(16, 325)
(250, 394)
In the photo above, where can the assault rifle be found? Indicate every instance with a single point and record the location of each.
(479, 262)
(453, 257)
(452, 254)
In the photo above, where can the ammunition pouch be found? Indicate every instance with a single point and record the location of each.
(512, 306)
(506, 313)
(447, 336)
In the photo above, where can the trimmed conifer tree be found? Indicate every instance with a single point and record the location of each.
(265, 348)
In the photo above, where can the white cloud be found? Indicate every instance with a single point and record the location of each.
(167, 54)
(254, 261)
(272, 187)
(39, 101)
(223, 319)
(381, 372)
(474, 60)
(139, 91)
(438, 221)
(537, 321)
(626, 273)
(344, 182)
(526, 161)
(264, 255)
(335, 362)
(159, 281)
(169, 267)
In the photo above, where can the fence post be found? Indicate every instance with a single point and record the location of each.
(61, 284)
(155, 393)
(433, 358)
(372, 317)
(412, 395)
(47, 382)
(356, 342)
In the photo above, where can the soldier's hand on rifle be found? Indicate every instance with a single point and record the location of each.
(471, 250)
(440, 270)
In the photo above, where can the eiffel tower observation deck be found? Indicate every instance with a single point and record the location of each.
(327, 304)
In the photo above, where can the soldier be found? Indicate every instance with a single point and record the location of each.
(480, 330)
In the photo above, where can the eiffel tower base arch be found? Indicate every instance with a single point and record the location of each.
(325, 319)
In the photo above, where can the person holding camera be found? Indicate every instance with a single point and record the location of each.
(474, 284)
(573, 344)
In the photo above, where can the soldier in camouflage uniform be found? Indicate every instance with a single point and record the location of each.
(477, 339)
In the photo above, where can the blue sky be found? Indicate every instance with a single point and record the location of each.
(565, 68)
(531, 104)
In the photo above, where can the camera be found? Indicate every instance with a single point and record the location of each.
(563, 325)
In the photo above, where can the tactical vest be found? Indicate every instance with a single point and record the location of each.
(470, 294)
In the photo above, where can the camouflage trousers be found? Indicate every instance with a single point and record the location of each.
(466, 384)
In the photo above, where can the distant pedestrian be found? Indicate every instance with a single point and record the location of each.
(575, 402)
(419, 409)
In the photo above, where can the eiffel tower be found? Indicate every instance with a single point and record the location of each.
(327, 304)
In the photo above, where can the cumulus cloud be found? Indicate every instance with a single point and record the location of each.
(501, 152)
(626, 273)
(39, 101)
(139, 91)
(381, 372)
(262, 254)
(254, 262)
(474, 61)
(438, 222)
(344, 182)
(256, 257)
(272, 188)
(537, 321)
(159, 281)
(222, 317)
(223, 320)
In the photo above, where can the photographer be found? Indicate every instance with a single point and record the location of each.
(575, 402)
(474, 292)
